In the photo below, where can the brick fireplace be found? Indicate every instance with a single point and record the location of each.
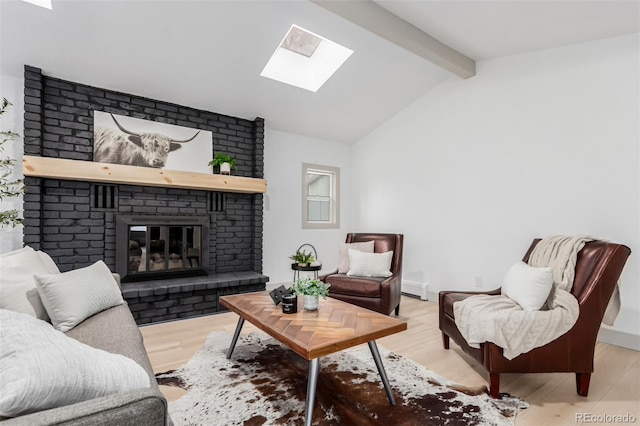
(197, 244)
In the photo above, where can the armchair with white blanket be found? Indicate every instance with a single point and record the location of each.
(518, 334)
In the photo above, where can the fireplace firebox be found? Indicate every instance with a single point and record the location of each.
(156, 247)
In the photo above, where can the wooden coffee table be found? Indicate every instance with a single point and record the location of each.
(335, 326)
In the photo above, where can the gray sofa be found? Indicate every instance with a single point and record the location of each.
(113, 330)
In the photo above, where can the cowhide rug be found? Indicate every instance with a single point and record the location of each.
(265, 383)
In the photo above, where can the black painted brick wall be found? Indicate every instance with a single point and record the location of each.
(59, 216)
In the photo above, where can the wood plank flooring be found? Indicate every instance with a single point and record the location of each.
(614, 390)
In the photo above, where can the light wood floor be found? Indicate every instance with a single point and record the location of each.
(614, 390)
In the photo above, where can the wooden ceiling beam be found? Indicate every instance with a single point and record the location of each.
(376, 19)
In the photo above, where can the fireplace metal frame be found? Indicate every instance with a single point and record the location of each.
(123, 222)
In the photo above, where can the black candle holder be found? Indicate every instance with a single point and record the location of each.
(289, 304)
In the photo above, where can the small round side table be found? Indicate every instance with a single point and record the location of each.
(297, 268)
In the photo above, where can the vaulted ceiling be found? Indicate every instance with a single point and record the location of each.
(209, 54)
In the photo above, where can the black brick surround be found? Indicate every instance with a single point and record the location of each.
(66, 219)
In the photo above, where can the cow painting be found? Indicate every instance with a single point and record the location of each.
(133, 149)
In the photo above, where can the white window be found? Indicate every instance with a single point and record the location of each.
(320, 196)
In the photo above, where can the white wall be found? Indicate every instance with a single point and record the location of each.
(535, 145)
(284, 154)
(12, 89)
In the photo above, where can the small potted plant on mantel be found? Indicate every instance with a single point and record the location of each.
(302, 258)
(311, 289)
(224, 161)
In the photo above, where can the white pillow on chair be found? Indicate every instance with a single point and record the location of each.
(529, 287)
(370, 264)
(343, 254)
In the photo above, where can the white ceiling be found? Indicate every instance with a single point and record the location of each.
(209, 54)
(484, 29)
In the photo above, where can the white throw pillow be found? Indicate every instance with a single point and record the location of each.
(74, 296)
(343, 253)
(17, 283)
(370, 264)
(529, 287)
(41, 368)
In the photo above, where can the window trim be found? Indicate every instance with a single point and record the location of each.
(334, 199)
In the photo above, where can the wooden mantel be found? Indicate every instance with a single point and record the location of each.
(57, 168)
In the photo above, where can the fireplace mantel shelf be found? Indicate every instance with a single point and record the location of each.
(58, 168)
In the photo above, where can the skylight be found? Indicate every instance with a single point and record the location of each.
(304, 59)
(42, 3)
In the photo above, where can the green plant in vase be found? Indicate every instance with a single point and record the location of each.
(311, 289)
(224, 162)
(302, 258)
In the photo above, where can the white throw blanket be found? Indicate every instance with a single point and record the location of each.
(502, 321)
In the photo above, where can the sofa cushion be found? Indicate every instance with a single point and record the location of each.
(74, 296)
(17, 284)
(343, 253)
(528, 286)
(114, 330)
(369, 264)
(41, 368)
(354, 286)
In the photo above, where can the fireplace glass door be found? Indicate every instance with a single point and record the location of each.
(164, 248)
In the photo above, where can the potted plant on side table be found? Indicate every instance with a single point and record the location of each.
(224, 162)
(302, 258)
(311, 289)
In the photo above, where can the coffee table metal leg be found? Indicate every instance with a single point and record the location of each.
(383, 375)
(235, 337)
(311, 390)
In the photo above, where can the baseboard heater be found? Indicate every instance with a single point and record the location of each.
(420, 290)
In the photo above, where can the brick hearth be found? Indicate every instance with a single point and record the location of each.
(165, 300)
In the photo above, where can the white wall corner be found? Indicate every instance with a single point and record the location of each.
(619, 338)
(412, 288)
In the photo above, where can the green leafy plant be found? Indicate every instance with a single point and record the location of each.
(220, 158)
(8, 188)
(302, 257)
(310, 287)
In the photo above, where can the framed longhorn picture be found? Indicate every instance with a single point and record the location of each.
(132, 141)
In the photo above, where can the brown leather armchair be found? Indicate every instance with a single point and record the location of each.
(378, 294)
(597, 270)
